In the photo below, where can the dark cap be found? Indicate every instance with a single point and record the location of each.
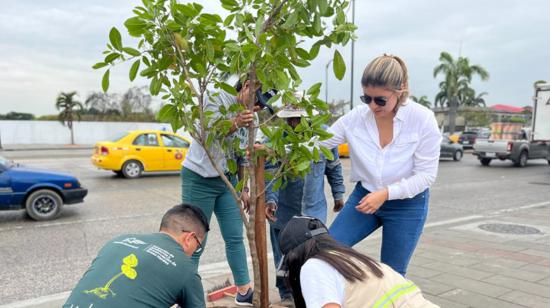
(263, 98)
(298, 230)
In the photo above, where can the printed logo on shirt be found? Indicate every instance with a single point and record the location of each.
(131, 242)
(127, 269)
(161, 254)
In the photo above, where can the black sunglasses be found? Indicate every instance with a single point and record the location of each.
(199, 249)
(378, 100)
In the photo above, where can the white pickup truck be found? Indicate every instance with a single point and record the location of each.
(526, 144)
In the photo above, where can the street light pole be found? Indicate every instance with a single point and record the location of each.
(352, 54)
(326, 80)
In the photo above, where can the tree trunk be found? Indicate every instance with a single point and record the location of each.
(453, 106)
(260, 230)
(72, 132)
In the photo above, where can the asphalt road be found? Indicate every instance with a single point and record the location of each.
(42, 258)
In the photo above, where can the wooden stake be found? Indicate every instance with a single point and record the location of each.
(260, 230)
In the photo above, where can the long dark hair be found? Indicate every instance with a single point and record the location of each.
(347, 261)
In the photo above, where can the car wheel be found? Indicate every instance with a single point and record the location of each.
(132, 169)
(457, 156)
(43, 204)
(485, 161)
(522, 159)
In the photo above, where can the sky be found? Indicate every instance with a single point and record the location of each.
(49, 46)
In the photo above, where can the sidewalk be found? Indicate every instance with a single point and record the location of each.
(499, 260)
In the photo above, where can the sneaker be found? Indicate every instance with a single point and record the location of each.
(244, 300)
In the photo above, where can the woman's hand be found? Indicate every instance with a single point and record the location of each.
(373, 201)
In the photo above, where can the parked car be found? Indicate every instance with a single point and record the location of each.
(133, 152)
(468, 138)
(41, 193)
(451, 149)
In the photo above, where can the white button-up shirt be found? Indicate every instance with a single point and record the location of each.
(407, 166)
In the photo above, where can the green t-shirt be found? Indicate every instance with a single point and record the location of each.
(139, 270)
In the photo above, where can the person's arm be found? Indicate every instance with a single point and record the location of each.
(333, 171)
(192, 294)
(242, 119)
(271, 197)
(426, 162)
(338, 131)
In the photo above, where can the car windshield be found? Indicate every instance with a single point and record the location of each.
(5, 162)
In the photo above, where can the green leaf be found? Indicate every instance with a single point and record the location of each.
(328, 153)
(187, 10)
(314, 89)
(99, 65)
(136, 26)
(105, 81)
(316, 155)
(340, 17)
(131, 51)
(228, 88)
(112, 57)
(210, 18)
(232, 165)
(338, 65)
(314, 51)
(155, 86)
(115, 38)
(277, 184)
(302, 53)
(317, 24)
(323, 6)
(230, 4)
(303, 165)
(134, 69)
(228, 20)
(167, 113)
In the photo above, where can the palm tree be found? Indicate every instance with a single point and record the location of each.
(422, 100)
(70, 109)
(458, 76)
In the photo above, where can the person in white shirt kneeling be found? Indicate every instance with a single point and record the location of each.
(325, 274)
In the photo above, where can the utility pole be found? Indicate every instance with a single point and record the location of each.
(352, 54)
(326, 80)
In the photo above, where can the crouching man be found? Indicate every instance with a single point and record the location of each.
(147, 270)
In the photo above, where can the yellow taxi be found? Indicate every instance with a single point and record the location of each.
(343, 150)
(133, 152)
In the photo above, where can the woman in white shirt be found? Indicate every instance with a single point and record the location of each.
(394, 150)
(323, 273)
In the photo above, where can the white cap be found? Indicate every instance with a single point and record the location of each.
(290, 111)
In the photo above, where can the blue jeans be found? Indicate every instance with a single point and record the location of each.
(402, 222)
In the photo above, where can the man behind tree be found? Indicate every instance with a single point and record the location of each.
(147, 270)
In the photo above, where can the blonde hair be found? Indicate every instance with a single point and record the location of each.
(389, 72)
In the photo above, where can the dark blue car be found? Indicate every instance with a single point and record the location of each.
(41, 193)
